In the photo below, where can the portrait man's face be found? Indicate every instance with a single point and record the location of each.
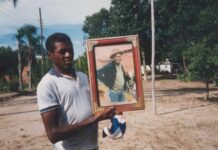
(117, 59)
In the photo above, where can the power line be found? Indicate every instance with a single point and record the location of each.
(15, 21)
(29, 8)
(6, 10)
(13, 18)
(15, 13)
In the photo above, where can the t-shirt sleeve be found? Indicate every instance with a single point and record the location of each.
(46, 97)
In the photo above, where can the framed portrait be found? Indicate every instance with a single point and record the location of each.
(115, 73)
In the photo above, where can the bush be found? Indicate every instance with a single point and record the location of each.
(14, 85)
(4, 86)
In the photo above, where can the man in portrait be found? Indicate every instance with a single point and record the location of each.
(113, 76)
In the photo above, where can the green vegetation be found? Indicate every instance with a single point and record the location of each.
(8, 67)
(186, 33)
(81, 63)
(202, 64)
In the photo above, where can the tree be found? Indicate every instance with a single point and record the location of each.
(202, 63)
(127, 17)
(30, 38)
(8, 69)
(132, 17)
(81, 63)
(19, 36)
(123, 18)
(8, 61)
(97, 25)
(187, 33)
(179, 23)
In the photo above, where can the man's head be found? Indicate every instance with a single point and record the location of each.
(116, 56)
(60, 50)
(117, 59)
(57, 37)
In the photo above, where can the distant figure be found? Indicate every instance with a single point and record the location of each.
(114, 77)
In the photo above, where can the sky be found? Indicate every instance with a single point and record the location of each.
(57, 15)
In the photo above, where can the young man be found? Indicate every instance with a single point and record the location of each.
(114, 77)
(64, 100)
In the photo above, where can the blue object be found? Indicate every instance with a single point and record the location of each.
(117, 129)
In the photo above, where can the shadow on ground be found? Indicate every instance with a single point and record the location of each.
(187, 108)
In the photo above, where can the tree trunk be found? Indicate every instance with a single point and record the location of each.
(207, 90)
(30, 69)
(144, 67)
(215, 80)
(184, 63)
(20, 69)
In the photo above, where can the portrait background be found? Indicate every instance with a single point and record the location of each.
(102, 57)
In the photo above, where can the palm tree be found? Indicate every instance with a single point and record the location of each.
(29, 36)
(19, 36)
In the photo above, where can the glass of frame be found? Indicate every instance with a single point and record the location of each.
(114, 73)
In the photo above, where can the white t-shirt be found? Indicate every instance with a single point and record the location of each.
(119, 80)
(74, 101)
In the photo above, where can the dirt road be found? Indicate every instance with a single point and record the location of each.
(184, 121)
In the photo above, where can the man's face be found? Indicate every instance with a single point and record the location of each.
(117, 59)
(62, 55)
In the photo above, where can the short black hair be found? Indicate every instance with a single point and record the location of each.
(57, 37)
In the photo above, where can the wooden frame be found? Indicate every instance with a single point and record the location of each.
(100, 53)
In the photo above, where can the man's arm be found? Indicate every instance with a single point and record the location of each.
(56, 133)
(126, 74)
(102, 73)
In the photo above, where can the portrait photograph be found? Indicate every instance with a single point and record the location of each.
(114, 73)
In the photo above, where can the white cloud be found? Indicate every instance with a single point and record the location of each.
(53, 12)
(71, 11)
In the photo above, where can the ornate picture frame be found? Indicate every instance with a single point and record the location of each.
(115, 73)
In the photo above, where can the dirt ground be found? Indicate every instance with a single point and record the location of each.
(184, 121)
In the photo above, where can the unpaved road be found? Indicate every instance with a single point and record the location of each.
(184, 121)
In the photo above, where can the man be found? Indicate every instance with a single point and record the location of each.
(64, 100)
(114, 77)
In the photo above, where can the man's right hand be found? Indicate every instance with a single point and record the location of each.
(107, 113)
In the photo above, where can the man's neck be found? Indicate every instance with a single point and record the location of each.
(66, 71)
(117, 65)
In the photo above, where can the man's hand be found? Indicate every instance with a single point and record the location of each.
(105, 114)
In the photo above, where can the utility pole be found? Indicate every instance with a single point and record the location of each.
(153, 56)
(41, 40)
